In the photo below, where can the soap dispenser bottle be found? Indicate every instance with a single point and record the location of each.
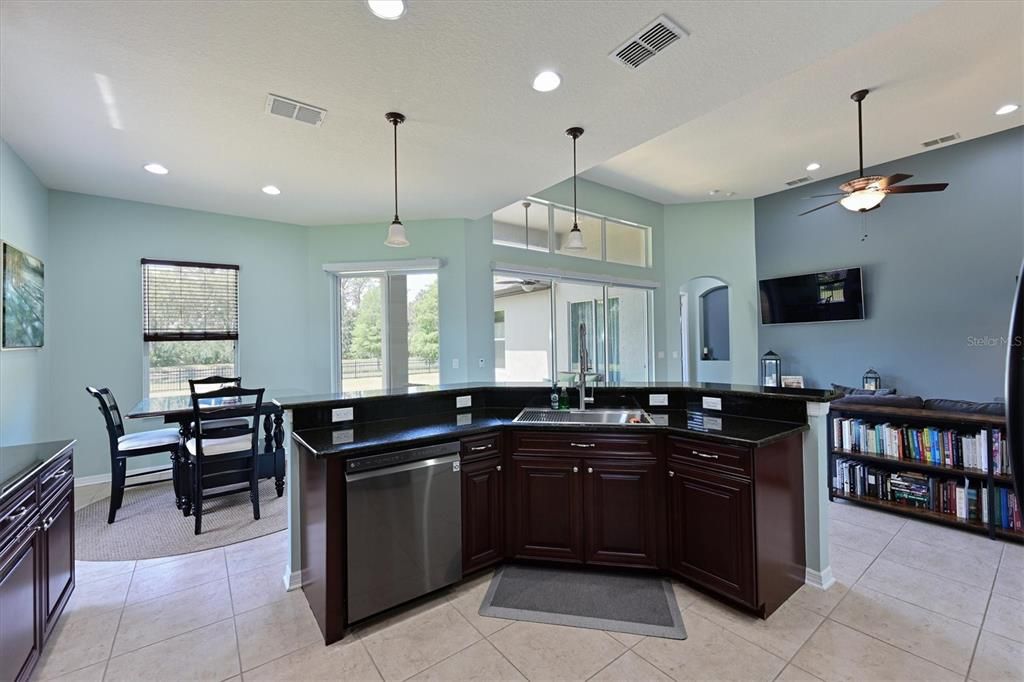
(563, 400)
(554, 396)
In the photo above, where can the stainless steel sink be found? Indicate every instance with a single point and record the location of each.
(540, 415)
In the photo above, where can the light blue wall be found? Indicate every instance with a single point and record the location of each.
(24, 374)
(712, 239)
(95, 308)
(938, 269)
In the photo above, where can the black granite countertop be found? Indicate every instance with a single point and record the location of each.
(801, 394)
(20, 462)
(367, 437)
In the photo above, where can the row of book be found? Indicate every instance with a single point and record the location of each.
(930, 445)
(944, 495)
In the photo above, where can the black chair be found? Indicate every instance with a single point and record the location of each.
(123, 446)
(207, 384)
(223, 452)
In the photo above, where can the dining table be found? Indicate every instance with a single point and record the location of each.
(177, 409)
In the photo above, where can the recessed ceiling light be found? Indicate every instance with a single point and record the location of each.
(546, 81)
(156, 169)
(713, 192)
(387, 9)
(1007, 109)
(271, 190)
(813, 166)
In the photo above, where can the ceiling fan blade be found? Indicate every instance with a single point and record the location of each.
(820, 207)
(822, 196)
(913, 189)
(893, 179)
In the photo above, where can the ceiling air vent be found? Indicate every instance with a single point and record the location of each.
(798, 181)
(654, 38)
(941, 140)
(295, 110)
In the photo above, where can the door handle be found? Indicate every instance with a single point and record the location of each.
(60, 473)
(478, 448)
(701, 454)
(582, 445)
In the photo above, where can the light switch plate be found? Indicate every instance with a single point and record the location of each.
(463, 419)
(658, 399)
(463, 401)
(342, 437)
(660, 419)
(342, 414)
(713, 423)
(711, 403)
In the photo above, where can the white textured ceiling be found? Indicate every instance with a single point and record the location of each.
(188, 82)
(947, 70)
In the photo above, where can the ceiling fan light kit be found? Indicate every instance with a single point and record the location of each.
(865, 193)
(575, 240)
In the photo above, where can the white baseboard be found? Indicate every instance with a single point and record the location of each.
(822, 580)
(81, 481)
(292, 579)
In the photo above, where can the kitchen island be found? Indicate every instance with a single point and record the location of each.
(714, 491)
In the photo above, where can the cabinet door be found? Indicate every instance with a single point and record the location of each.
(59, 551)
(711, 531)
(547, 510)
(483, 499)
(20, 631)
(620, 512)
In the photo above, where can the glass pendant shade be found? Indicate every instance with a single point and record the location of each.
(396, 234)
(862, 200)
(575, 239)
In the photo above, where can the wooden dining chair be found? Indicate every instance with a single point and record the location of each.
(123, 446)
(214, 453)
(203, 386)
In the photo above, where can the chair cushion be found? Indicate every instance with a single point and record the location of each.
(220, 446)
(967, 406)
(223, 423)
(909, 401)
(850, 390)
(148, 439)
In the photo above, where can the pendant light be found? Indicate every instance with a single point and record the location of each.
(575, 240)
(396, 231)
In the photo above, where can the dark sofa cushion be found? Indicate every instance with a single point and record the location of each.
(966, 406)
(850, 390)
(911, 401)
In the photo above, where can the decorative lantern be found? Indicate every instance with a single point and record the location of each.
(771, 369)
(872, 381)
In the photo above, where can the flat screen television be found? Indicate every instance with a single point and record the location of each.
(830, 296)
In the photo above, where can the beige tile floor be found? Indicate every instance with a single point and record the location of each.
(913, 601)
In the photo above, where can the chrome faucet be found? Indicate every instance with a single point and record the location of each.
(584, 365)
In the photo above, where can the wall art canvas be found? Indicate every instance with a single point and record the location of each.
(22, 299)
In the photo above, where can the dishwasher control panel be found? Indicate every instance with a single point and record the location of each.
(390, 459)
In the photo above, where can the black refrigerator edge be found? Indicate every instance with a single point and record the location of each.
(1015, 387)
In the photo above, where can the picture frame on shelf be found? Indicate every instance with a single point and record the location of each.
(792, 381)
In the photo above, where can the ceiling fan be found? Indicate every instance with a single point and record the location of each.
(526, 285)
(865, 194)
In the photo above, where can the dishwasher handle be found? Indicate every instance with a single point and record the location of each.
(450, 460)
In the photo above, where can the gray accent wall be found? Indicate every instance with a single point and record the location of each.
(939, 272)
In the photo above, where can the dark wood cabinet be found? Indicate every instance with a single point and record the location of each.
(37, 558)
(621, 511)
(483, 518)
(546, 509)
(711, 530)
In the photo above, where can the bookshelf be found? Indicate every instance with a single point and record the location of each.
(921, 465)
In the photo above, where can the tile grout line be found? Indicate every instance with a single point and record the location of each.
(981, 628)
(625, 651)
(482, 638)
(120, 616)
(234, 623)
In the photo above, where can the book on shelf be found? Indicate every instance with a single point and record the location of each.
(929, 445)
(1007, 510)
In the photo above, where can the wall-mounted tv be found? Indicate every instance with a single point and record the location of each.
(830, 296)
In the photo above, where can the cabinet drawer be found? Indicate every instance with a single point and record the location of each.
(53, 478)
(481, 446)
(17, 513)
(715, 456)
(578, 443)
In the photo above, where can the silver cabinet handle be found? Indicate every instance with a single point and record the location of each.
(701, 454)
(497, 468)
(575, 470)
(590, 470)
(582, 445)
(671, 474)
(478, 448)
(47, 523)
(18, 513)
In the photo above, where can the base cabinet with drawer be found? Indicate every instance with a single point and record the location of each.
(483, 503)
(37, 562)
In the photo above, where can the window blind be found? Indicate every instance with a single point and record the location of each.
(183, 301)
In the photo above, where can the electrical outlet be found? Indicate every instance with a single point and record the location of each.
(660, 419)
(463, 419)
(455, 363)
(463, 401)
(342, 414)
(342, 437)
(713, 423)
(658, 399)
(711, 403)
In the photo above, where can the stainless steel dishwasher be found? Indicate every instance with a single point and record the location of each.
(404, 526)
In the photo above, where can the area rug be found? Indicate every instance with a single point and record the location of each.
(599, 600)
(149, 525)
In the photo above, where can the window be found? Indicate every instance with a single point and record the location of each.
(540, 330)
(190, 323)
(542, 226)
(388, 331)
